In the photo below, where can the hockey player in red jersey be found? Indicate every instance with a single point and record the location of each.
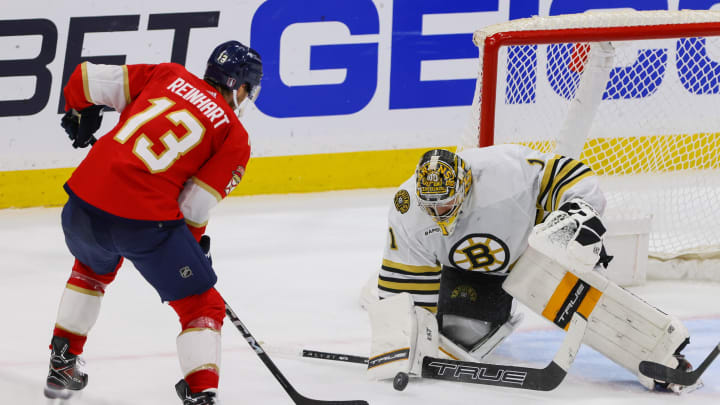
(144, 192)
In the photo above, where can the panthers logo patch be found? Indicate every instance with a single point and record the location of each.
(480, 252)
(402, 201)
(237, 175)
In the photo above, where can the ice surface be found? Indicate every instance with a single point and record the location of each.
(292, 267)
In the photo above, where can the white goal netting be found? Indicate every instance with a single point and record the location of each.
(635, 95)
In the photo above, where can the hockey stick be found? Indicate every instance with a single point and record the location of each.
(544, 379)
(660, 372)
(296, 396)
(348, 358)
(539, 379)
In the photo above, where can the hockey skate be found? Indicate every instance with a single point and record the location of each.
(190, 398)
(685, 366)
(66, 374)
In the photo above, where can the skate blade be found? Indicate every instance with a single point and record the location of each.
(57, 393)
(683, 389)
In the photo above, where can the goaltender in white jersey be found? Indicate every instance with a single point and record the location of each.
(510, 189)
(470, 232)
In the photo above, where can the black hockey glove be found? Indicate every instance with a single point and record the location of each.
(80, 126)
(205, 246)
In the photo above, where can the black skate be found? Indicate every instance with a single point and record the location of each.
(65, 375)
(201, 398)
(686, 367)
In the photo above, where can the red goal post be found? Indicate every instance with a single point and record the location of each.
(634, 94)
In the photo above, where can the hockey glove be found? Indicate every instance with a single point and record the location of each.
(80, 126)
(205, 246)
(573, 236)
(588, 239)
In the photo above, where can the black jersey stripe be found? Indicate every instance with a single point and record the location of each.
(567, 173)
(414, 292)
(409, 280)
(411, 273)
(547, 179)
(569, 183)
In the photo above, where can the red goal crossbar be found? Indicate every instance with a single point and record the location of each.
(493, 43)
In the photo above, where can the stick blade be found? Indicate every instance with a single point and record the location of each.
(661, 372)
(658, 372)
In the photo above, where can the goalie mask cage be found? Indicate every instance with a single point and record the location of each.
(633, 94)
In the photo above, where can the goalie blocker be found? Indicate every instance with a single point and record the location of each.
(621, 326)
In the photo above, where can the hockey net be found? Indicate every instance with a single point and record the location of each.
(633, 94)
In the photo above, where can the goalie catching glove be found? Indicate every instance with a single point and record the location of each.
(573, 236)
(81, 125)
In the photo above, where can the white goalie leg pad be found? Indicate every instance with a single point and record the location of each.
(621, 326)
(79, 309)
(401, 336)
(369, 292)
(482, 348)
(199, 349)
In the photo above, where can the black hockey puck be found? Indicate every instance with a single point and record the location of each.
(400, 381)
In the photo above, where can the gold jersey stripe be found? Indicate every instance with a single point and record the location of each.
(410, 268)
(561, 191)
(126, 84)
(86, 84)
(410, 285)
(83, 290)
(207, 188)
(539, 213)
(547, 179)
(195, 224)
(568, 168)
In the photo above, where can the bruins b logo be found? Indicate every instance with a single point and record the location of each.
(402, 201)
(480, 252)
(465, 293)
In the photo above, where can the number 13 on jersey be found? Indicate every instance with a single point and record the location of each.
(174, 147)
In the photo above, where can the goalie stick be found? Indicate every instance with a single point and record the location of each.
(296, 396)
(539, 379)
(543, 379)
(660, 372)
(348, 358)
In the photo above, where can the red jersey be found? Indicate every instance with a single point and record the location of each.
(176, 134)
